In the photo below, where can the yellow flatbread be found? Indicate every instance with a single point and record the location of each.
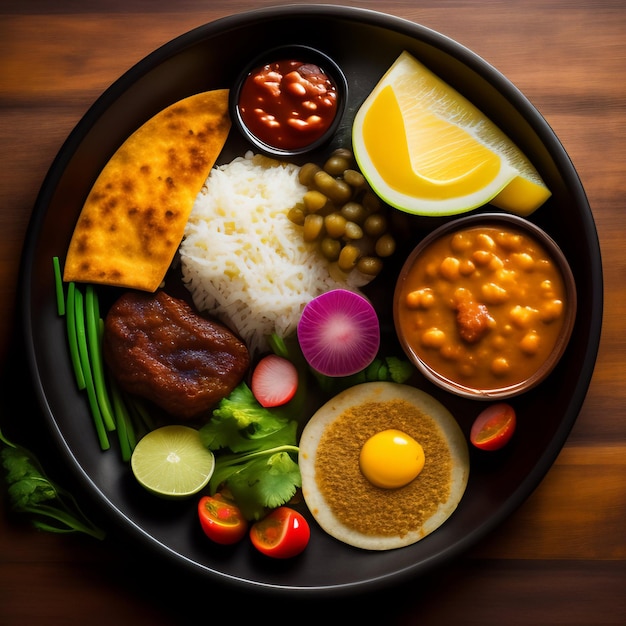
(344, 503)
(134, 217)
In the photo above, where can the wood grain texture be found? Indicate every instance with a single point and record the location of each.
(561, 557)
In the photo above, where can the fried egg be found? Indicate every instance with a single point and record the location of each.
(383, 465)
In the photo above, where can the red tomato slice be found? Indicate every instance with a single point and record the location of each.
(493, 427)
(221, 520)
(282, 534)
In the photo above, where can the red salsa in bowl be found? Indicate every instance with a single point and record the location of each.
(290, 101)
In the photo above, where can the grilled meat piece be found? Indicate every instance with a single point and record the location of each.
(159, 348)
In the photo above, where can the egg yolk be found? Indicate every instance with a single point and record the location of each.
(391, 459)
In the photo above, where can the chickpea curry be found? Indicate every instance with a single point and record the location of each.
(483, 306)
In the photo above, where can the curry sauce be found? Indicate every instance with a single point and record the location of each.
(483, 306)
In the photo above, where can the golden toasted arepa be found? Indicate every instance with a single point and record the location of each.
(344, 503)
(134, 217)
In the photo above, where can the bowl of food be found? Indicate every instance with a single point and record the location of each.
(289, 100)
(485, 305)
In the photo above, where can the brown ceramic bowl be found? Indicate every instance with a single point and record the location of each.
(495, 328)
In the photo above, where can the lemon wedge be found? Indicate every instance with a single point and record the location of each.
(427, 150)
(171, 462)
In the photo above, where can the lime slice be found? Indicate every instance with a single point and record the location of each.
(427, 150)
(172, 462)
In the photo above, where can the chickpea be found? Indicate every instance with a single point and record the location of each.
(482, 257)
(504, 276)
(500, 366)
(420, 298)
(485, 242)
(547, 289)
(493, 293)
(495, 263)
(433, 338)
(523, 260)
(449, 268)
(466, 267)
(509, 241)
(460, 242)
(551, 310)
(451, 352)
(529, 343)
(522, 316)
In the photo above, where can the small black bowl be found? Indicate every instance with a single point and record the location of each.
(306, 55)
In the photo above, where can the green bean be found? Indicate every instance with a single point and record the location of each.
(58, 285)
(72, 337)
(123, 423)
(81, 336)
(92, 317)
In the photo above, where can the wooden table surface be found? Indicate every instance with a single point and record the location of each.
(561, 557)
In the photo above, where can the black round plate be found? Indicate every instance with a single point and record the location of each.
(364, 43)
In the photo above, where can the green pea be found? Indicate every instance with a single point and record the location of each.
(307, 172)
(369, 265)
(353, 231)
(336, 165)
(313, 226)
(355, 179)
(375, 224)
(296, 215)
(335, 225)
(335, 189)
(385, 245)
(314, 200)
(353, 211)
(330, 248)
(348, 258)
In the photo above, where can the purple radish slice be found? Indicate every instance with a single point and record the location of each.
(339, 333)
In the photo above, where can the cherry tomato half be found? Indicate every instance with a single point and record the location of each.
(221, 520)
(282, 534)
(493, 427)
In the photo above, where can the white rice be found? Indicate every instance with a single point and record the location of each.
(242, 259)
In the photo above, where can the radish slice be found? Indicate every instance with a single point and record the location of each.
(339, 333)
(274, 381)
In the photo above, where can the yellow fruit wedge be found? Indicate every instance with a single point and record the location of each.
(172, 462)
(427, 150)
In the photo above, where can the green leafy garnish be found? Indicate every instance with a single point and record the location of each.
(390, 368)
(50, 507)
(253, 449)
